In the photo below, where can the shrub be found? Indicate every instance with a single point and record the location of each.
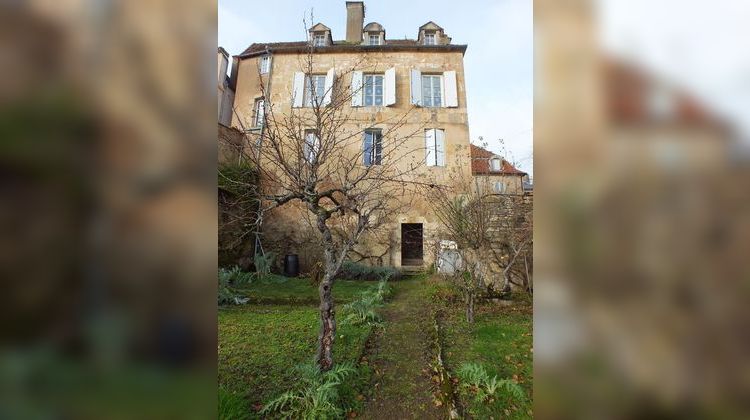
(362, 310)
(357, 271)
(317, 394)
(263, 264)
(232, 406)
(474, 377)
(235, 276)
(226, 295)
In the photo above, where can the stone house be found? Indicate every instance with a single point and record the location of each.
(492, 174)
(424, 75)
(226, 89)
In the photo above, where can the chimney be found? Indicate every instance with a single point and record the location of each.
(355, 19)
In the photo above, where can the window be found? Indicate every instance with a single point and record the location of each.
(374, 39)
(434, 147)
(495, 164)
(316, 89)
(265, 62)
(429, 39)
(312, 146)
(373, 90)
(373, 148)
(260, 112)
(499, 187)
(319, 40)
(431, 90)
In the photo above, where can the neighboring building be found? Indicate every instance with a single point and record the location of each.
(658, 124)
(427, 72)
(226, 90)
(493, 174)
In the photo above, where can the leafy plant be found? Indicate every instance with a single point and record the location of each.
(362, 310)
(263, 264)
(357, 271)
(226, 295)
(317, 394)
(474, 377)
(232, 406)
(235, 276)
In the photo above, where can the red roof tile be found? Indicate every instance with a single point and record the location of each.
(480, 163)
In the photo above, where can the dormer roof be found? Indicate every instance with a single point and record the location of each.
(430, 26)
(319, 27)
(373, 27)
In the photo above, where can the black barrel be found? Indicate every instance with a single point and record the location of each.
(291, 265)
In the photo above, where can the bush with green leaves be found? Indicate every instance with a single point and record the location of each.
(316, 394)
(357, 271)
(235, 276)
(475, 378)
(363, 309)
(227, 278)
(263, 264)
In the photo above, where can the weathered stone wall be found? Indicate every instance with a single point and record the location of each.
(453, 120)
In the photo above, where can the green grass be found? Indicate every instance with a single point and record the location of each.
(260, 344)
(277, 289)
(501, 340)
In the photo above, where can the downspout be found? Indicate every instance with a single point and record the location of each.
(267, 96)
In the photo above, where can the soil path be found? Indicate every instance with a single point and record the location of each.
(399, 354)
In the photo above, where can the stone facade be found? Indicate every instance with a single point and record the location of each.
(402, 55)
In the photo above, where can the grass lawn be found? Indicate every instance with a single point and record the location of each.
(285, 290)
(500, 340)
(260, 343)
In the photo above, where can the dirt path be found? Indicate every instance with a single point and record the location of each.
(400, 358)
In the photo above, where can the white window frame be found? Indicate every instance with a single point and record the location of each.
(312, 146)
(260, 112)
(496, 164)
(499, 187)
(376, 37)
(376, 148)
(430, 36)
(373, 96)
(265, 62)
(315, 87)
(319, 40)
(434, 79)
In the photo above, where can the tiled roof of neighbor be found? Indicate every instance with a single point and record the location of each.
(630, 92)
(339, 46)
(480, 163)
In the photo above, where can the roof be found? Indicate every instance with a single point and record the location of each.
(480, 163)
(319, 27)
(344, 46)
(373, 27)
(430, 25)
(634, 97)
(224, 52)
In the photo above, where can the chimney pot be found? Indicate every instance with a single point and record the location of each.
(355, 19)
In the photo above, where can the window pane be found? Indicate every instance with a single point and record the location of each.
(367, 155)
(426, 91)
(378, 148)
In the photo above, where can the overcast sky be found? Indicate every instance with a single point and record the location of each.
(498, 61)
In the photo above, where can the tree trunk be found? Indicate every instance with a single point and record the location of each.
(327, 324)
(470, 308)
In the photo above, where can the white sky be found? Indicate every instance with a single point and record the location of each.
(498, 61)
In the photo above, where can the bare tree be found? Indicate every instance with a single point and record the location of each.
(493, 233)
(313, 157)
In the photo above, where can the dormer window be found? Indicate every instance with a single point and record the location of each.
(373, 34)
(429, 39)
(495, 164)
(320, 35)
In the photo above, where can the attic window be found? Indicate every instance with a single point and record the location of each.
(319, 40)
(495, 164)
(374, 39)
(429, 38)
